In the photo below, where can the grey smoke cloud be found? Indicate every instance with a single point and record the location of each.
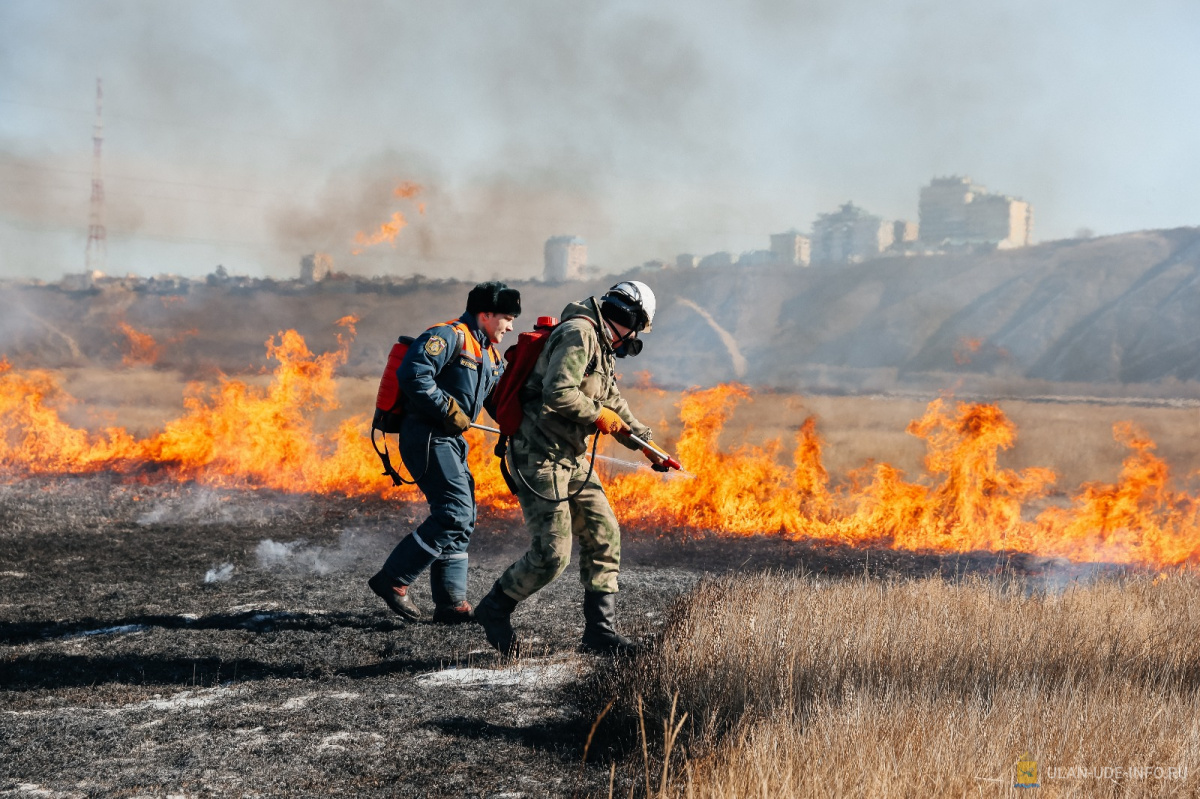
(247, 134)
(300, 557)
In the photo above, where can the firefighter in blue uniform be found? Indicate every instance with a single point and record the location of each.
(447, 377)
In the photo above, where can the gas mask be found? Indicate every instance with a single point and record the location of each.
(628, 345)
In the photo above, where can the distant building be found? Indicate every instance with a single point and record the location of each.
(166, 284)
(687, 261)
(718, 260)
(904, 231)
(655, 265)
(792, 248)
(758, 258)
(315, 267)
(566, 259)
(850, 235)
(83, 281)
(955, 211)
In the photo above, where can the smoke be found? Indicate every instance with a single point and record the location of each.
(219, 574)
(492, 227)
(207, 506)
(249, 134)
(300, 558)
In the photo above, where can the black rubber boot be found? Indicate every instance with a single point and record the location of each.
(599, 635)
(457, 613)
(396, 596)
(493, 613)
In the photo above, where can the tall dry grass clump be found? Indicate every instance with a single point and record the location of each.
(802, 687)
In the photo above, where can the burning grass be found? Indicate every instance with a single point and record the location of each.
(242, 435)
(798, 687)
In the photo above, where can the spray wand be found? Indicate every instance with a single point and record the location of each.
(648, 449)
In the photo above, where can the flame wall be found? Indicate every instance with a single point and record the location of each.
(239, 435)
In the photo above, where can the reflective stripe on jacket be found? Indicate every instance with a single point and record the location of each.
(451, 359)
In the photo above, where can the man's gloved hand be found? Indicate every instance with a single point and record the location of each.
(609, 421)
(456, 422)
(656, 463)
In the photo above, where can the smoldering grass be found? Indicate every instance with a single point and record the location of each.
(219, 574)
(198, 505)
(299, 557)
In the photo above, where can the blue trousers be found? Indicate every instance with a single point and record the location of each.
(439, 464)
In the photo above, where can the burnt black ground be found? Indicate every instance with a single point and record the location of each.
(159, 639)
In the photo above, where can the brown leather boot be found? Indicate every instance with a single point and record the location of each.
(458, 613)
(396, 596)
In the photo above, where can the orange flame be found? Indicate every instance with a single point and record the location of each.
(406, 190)
(233, 435)
(140, 348)
(965, 349)
(239, 435)
(388, 231)
(973, 504)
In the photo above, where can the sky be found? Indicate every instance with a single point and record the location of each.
(248, 134)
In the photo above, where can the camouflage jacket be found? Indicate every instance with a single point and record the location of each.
(574, 376)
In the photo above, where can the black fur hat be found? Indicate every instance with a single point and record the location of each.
(494, 297)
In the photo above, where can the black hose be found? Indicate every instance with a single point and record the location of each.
(390, 470)
(568, 497)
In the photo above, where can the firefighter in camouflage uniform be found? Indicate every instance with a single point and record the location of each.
(571, 394)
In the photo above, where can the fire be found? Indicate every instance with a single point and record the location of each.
(406, 190)
(1138, 519)
(388, 231)
(965, 349)
(236, 434)
(140, 348)
(34, 440)
(972, 503)
(233, 435)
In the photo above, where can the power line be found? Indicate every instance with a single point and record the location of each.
(186, 125)
(138, 179)
(109, 193)
(279, 248)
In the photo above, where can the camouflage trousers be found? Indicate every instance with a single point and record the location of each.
(551, 526)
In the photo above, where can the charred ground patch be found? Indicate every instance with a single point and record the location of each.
(165, 638)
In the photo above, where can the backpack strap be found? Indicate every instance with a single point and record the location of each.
(501, 452)
(386, 458)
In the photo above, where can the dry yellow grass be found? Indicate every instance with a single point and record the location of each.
(796, 687)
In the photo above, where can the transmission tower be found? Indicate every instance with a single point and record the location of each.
(97, 242)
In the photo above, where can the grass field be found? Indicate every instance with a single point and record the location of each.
(781, 684)
(788, 686)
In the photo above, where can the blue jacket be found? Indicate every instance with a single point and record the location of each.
(451, 359)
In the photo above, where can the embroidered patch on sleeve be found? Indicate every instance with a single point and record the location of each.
(435, 345)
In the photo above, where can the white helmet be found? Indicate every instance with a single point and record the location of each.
(630, 304)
